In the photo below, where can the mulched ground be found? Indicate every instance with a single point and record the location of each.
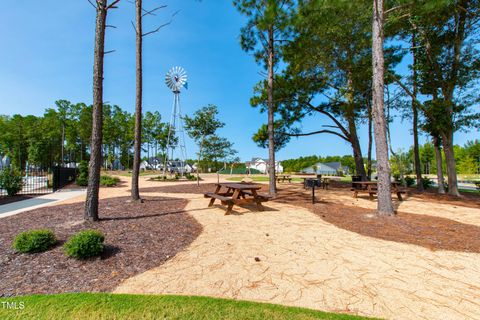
(431, 232)
(139, 236)
(467, 199)
(426, 231)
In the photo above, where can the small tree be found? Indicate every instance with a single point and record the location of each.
(204, 123)
(91, 203)
(267, 25)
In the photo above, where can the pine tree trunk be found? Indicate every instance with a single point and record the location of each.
(198, 160)
(138, 104)
(385, 205)
(370, 143)
(352, 127)
(438, 161)
(447, 139)
(416, 151)
(95, 163)
(357, 151)
(63, 141)
(271, 141)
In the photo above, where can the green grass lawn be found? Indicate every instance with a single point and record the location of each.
(112, 306)
(129, 174)
(260, 179)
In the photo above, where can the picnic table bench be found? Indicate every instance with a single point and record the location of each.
(371, 187)
(283, 178)
(237, 194)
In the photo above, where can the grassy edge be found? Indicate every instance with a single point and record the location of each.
(127, 306)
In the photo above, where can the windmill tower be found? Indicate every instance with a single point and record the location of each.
(176, 79)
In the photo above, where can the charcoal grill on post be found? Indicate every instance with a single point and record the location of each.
(312, 183)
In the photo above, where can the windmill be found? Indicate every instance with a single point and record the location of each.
(175, 79)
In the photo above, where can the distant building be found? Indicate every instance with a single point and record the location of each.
(172, 166)
(262, 165)
(328, 168)
(4, 162)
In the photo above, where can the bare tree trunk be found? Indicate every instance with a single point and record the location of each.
(271, 107)
(416, 151)
(138, 103)
(198, 160)
(385, 205)
(63, 141)
(357, 151)
(352, 127)
(447, 139)
(370, 143)
(438, 161)
(91, 203)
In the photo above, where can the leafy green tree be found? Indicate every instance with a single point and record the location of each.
(201, 126)
(268, 24)
(217, 149)
(448, 68)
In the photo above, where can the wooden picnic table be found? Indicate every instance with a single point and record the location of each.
(236, 193)
(283, 178)
(371, 187)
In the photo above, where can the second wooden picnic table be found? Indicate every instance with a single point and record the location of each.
(371, 188)
(236, 193)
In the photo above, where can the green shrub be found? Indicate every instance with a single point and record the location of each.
(84, 244)
(410, 181)
(82, 179)
(11, 180)
(34, 241)
(109, 181)
(427, 183)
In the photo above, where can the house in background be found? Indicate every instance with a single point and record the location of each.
(173, 166)
(4, 162)
(327, 168)
(262, 165)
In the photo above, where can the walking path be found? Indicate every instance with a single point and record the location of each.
(13, 208)
(290, 256)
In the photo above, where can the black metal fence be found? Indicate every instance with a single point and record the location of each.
(34, 182)
(63, 177)
(39, 181)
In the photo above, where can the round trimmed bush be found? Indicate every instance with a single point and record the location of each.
(109, 181)
(34, 241)
(11, 180)
(84, 244)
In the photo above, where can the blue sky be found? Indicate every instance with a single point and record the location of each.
(46, 54)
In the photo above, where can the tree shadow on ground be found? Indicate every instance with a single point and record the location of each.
(428, 231)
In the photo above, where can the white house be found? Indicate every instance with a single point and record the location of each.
(262, 165)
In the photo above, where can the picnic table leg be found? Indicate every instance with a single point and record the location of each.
(212, 200)
(257, 200)
(370, 194)
(399, 196)
(236, 195)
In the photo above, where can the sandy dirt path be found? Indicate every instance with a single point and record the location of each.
(305, 261)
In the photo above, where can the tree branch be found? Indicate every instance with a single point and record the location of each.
(317, 132)
(134, 28)
(151, 12)
(92, 4)
(113, 5)
(339, 125)
(161, 26)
